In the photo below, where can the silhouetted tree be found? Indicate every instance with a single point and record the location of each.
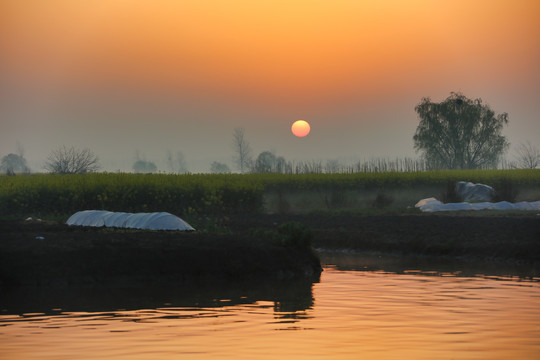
(242, 150)
(282, 166)
(219, 168)
(265, 163)
(70, 160)
(13, 163)
(142, 167)
(459, 133)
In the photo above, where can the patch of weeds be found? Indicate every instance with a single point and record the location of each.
(283, 205)
(338, 198)
(382, 200)
(208, 224)
(265, 234)
(295, 234)
(505, 190)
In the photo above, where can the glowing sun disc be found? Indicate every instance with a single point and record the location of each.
(300, 128)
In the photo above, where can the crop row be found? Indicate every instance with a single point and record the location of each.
(178, 194)
(209, 193)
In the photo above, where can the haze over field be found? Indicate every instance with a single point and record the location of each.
(122, 76)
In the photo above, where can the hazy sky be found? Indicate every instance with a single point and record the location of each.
(119, 76)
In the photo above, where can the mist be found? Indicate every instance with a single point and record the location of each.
(125, 79)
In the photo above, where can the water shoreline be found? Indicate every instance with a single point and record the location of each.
(53, 254)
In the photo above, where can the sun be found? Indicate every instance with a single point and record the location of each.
(300, 128)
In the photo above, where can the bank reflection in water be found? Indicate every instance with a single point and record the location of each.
(377, 314)
(429, 266)
(291, 297)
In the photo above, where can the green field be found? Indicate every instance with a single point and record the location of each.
(217, 195)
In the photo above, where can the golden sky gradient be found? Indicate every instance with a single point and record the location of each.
(349, 61)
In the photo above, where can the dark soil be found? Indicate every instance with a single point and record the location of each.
(493, 238)
(41, 253)
(48, 253)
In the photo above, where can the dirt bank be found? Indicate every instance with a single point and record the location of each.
(39, 253)
(490, 237)
(245, 247)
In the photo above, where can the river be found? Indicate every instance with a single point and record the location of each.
(358, 309)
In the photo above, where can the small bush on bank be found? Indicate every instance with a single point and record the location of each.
(295, 234)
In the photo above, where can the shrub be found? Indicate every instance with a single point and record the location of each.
(295, 234)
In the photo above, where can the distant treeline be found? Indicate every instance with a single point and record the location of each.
(373, 165)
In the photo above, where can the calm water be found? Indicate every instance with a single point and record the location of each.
(351, 313)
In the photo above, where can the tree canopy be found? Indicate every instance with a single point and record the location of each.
(459, 133)
(144, 167)
(13, 163)
(219, 168)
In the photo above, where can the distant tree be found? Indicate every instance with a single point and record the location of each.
(143, 167)
(527, 156)
(265, 163)
(459, 133)
(176, 164)
(13, 163)
(70, 160)
(219, 168)
(282, 166)
(242, 150)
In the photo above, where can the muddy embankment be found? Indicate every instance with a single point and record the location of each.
(39, 253)
(465, 235)
(251, 247)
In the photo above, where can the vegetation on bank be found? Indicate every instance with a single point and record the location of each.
(220, 194)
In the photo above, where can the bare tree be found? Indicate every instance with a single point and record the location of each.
(242, 156)
(527, 156)
(70, 160)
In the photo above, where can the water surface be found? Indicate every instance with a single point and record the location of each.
(348, 314)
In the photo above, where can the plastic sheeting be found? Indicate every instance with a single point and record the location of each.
(434, 205)
(150, 221)
(468, 191)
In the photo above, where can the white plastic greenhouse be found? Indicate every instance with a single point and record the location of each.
(434, 205)
(150, 221)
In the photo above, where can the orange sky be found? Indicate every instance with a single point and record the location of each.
(362, 65)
